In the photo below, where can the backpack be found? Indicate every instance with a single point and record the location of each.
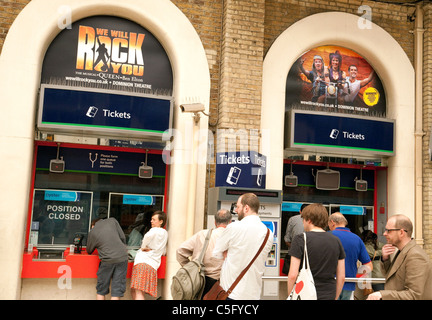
(189, 281)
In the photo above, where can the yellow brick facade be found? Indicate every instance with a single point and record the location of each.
(237, 34)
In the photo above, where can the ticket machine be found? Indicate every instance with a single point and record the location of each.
(270, 214)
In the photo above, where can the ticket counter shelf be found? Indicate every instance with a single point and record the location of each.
(82, 265)
(49, 254)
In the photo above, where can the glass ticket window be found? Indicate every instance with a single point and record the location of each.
(360, 218)
(97, 182)
(289, 210)
(59, 215)
(134, 212)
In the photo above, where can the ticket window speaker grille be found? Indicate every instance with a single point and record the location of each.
(291, 180)
(145, 171)
(360, 184)
(57, 165)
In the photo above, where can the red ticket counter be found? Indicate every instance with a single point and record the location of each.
(97, 181)
(81, 265)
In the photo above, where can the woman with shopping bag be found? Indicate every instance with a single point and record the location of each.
(325, 259)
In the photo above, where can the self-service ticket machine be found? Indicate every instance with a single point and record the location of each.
(270, 214)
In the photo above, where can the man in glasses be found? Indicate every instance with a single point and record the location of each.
(409, 273)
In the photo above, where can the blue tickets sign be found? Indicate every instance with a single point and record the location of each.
(243, 169)
(320, 131)
(101, 112)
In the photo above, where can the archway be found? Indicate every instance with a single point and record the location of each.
(21, 60)
(383, 53)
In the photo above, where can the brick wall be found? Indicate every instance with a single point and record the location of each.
(9, 9)
(280, 14)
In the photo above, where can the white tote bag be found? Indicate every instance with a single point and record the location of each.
(304, 288)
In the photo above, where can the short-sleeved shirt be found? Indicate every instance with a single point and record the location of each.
(355, 250)
(242, 239)
(324, 252)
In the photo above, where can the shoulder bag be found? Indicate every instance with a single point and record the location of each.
(218, 293)
(189, 281)
(304, 287)
(367, 288)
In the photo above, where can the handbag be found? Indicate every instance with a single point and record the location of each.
(286, 265)
(218, 293)
(367, 291)
(304, 287)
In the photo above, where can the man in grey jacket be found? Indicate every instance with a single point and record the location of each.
(109, 239)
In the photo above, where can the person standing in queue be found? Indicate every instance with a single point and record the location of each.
(355, 250)
(109, 239)
(294, 227)
(148, 258)
(409, 274)
(325, 252)
(191, 249)
(374, 248)
(239, 243)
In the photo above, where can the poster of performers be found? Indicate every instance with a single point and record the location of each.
(108, 53)
(335, 79)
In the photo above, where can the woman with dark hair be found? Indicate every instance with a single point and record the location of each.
(335, 73)
(148, 258)
(334, 78)
(374, 249)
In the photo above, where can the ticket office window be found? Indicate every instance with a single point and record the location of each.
(59, 215)
(98, 190)
(289, 210)
(134, 212)
(360, 218)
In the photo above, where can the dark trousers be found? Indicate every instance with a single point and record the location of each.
(208, 285)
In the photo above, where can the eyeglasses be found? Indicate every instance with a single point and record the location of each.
(388, 230)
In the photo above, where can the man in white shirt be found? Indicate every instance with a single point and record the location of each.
(192, 247)
(239, 243)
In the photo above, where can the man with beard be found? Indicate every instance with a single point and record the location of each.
(239, 243)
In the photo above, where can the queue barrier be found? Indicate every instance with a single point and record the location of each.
(358, 280)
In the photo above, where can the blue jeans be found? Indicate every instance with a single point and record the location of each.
(346, 295)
